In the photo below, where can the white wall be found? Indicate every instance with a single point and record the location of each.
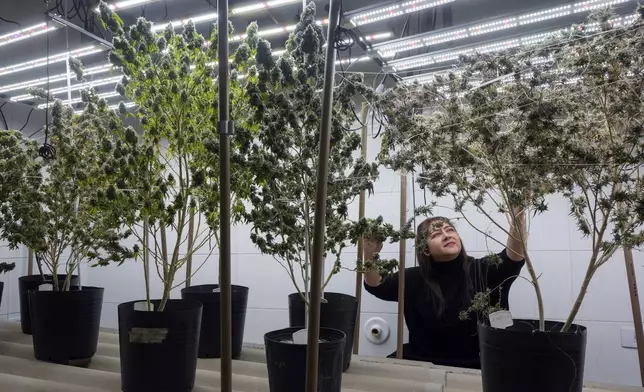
(559, 253)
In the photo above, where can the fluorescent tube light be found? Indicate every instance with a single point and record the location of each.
(27, 32)
(75, 87)
(388, 49)
(79, 99)
(53, 79)
(41, 62)
(427, 59)
(120, 5)
(207, 17)
(111, 107)
(391, 11)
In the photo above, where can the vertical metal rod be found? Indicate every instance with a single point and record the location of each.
(191, 239)
(635, 305)
(401, 268)
(30, 262)
(317, 262)
(361, 207)
(225, 129)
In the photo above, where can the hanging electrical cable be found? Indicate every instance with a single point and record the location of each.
(47, 151)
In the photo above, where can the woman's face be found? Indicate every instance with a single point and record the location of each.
(443, 241)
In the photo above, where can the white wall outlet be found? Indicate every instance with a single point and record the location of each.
(628, 337)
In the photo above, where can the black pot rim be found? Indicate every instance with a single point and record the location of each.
(191, 306)
(343, 337)
(575, 329)
(197, 289)
(83, 290)
(39, 278)
(344, 296)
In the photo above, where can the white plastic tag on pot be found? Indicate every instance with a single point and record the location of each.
(142, 306)
(301, 336)
(46, 287)
(501, 319)
(217, 290)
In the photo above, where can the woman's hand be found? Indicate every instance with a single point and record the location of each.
(370, 247)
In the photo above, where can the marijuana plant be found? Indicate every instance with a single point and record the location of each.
(285, 95)
(18, 162)
(603, 123)
(51, 205)
(509, 130)
(169, 174)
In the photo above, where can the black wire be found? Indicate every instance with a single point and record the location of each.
(47, 151)
(10, 21)
(28, 117)
(6, 126)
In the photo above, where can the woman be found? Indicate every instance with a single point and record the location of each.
(441, 286)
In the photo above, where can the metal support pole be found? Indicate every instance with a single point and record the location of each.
(317, 262)
(30, 262)
(361, 207)
(635, 305)
(225, 131)
(401, 267)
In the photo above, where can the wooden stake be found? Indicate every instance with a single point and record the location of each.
(361, 208)
(191, 234)
(635, 305)
(30, 262)
(401, 267)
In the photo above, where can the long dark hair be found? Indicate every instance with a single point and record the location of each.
(427, 271)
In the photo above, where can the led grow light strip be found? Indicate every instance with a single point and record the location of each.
(28, 32)
(111, 94)
(126, 4)
(41, 62)
(422, 60)
(76, 87)
(275, 31)
(213, 15)
(53, 79)
(386, 49)
(394, 10)
(111, 107)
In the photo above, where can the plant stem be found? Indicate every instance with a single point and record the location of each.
(580, 297)
(191, 233)
(146, 261)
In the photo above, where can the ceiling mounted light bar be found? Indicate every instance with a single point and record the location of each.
(27, 32)
(451, 55)
(53, 79)
(76, 87)
(211, 16)
(393, 10)
(387, 49)
(121, 5)
(111, 94)
(41, 62)
(275, 31)
(112, 107)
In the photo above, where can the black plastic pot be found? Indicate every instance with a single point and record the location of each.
(25, 285)
(286, 361)
(339, 312)
(521, 358)
(210, 339)
(1, 290)
(66, 324)
(159, 349)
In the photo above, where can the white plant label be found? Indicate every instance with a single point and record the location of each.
(142, 306)
(301, 336)
(217, 290)
(46, 287)
(501, 319)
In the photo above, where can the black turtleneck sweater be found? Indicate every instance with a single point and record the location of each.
(444, 339)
